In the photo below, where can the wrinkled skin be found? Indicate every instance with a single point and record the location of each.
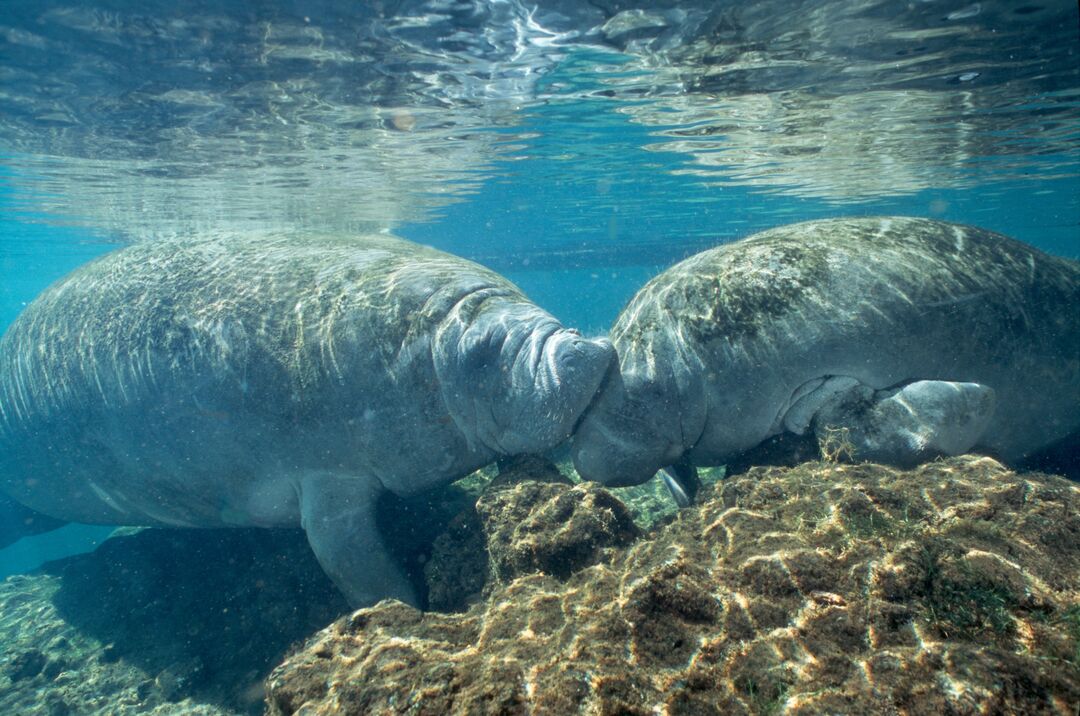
(915, 337)
(277, 383)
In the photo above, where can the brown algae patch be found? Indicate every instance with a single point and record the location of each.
(949, 588)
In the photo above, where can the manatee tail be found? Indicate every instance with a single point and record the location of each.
(18, 521)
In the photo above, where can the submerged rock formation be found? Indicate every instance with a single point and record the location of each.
(170, 622)
(162, 622)
(951, 588)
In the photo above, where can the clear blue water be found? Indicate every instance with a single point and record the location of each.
(575, 149)
(571, 183)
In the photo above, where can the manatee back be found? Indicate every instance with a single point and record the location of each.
(885, 300)
(179, 362)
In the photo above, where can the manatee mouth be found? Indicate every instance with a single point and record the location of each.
(612, 448)
(601, 388)
(626, 436)
(554, 377)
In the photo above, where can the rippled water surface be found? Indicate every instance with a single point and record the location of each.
(618, 131)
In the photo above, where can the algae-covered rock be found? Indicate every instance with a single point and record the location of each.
(551, 528)
(526, 468)
(458, 569)
(529, 518)
(160, 622)
(822, 588)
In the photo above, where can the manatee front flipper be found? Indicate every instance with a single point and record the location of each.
(909, 425)
(18, 521)
(682, 481)
(338, 515)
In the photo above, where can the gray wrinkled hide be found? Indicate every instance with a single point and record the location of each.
(786, 329)
(277, 383)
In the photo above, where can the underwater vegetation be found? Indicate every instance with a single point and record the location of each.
(816, 588)
(822, 588)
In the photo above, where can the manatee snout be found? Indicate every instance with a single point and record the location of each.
(577, 362)
(625, 436)
(601, 455)
(544, 380)
(552, 384)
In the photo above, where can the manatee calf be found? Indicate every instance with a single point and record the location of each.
(279, 383)
(900, 338)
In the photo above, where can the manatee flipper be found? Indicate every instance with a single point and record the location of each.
(338, 515)
(682, 481)
(909, 425)
(18, 521)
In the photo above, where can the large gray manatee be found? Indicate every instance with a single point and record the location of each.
(907, 337)
(279, 382)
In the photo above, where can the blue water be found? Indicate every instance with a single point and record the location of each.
(577, 238)
(577, 153)
(561, 240)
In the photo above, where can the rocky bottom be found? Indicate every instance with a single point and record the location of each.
(949, 589)
(189, 622)
(160, 622)
(823, 588)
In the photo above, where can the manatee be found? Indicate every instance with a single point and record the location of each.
(898, 339)
(280, 382)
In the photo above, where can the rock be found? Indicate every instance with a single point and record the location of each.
(160, 622)
(458, 569)
(110, 654)
(526, 468)
(26, 665)
(179, 679)
(529, 518)
(53, 668)
(56, 705)
(820, 588)
(551, 528)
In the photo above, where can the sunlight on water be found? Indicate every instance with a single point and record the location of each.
(154, 121)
